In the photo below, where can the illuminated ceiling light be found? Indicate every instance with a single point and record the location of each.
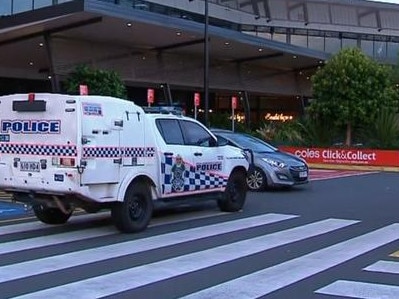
(178, 33)
(294, 56)
(226, 43)
(260, 50)
(41, 44)
(307, 78)
(49, 77)
(30, 63)
(129, 24)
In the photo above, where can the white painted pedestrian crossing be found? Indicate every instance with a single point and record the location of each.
(38, 242)
(109, 284)
(360, 290)
(32, 226)
(384, 267)
(68, 260)
(274, 278)
(252, 235)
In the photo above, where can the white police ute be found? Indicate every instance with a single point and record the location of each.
(61, 152)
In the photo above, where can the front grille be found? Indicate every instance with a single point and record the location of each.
(295, 170)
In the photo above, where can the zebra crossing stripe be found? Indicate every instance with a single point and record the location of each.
(32, 243)
(274, 278)
(109, 284)
(59, 262)
(360, 290)
(384, 266)
(32, 226)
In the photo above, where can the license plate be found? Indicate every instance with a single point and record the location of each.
(303, 174)
(30, 166)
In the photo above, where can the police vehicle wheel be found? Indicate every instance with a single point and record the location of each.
(50, 215)
(135, 212)
(235, 194)
(256, 180)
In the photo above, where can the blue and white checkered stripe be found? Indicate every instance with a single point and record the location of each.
(138, 151)
(101, 152)
(115, 152)
(193, 181)
(38, 149)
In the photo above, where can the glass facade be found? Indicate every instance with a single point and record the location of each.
(10, 7)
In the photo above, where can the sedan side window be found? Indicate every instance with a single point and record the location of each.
(194, 134)
(170, 131)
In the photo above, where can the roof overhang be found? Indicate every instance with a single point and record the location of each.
(102, 22)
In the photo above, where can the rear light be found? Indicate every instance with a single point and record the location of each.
(66, 162)
(69, 162)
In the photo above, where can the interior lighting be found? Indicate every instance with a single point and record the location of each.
(294, 56)
(41, 44)
(129, 24)
(260, 50)
(178, 33)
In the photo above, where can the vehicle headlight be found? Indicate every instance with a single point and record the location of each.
(274, 163)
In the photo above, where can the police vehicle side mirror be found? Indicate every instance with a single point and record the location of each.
(222, 142)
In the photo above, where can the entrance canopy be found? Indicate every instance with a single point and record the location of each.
(27, 39)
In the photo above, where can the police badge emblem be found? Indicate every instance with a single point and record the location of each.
(178, 174)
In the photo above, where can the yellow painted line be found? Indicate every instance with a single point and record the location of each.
(395, 254)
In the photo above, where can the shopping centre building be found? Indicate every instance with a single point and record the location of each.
(262, 51)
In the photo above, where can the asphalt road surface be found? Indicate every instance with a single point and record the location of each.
(333, 238)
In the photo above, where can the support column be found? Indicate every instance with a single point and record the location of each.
(55, 85)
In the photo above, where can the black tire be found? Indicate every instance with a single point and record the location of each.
(51, 215)
(235, 194)
(256, 180)
(135, 212)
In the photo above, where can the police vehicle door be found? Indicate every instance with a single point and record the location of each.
(177, 159)
(101, 152)
(208, 158)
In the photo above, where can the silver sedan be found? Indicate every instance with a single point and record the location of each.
(272, 168)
